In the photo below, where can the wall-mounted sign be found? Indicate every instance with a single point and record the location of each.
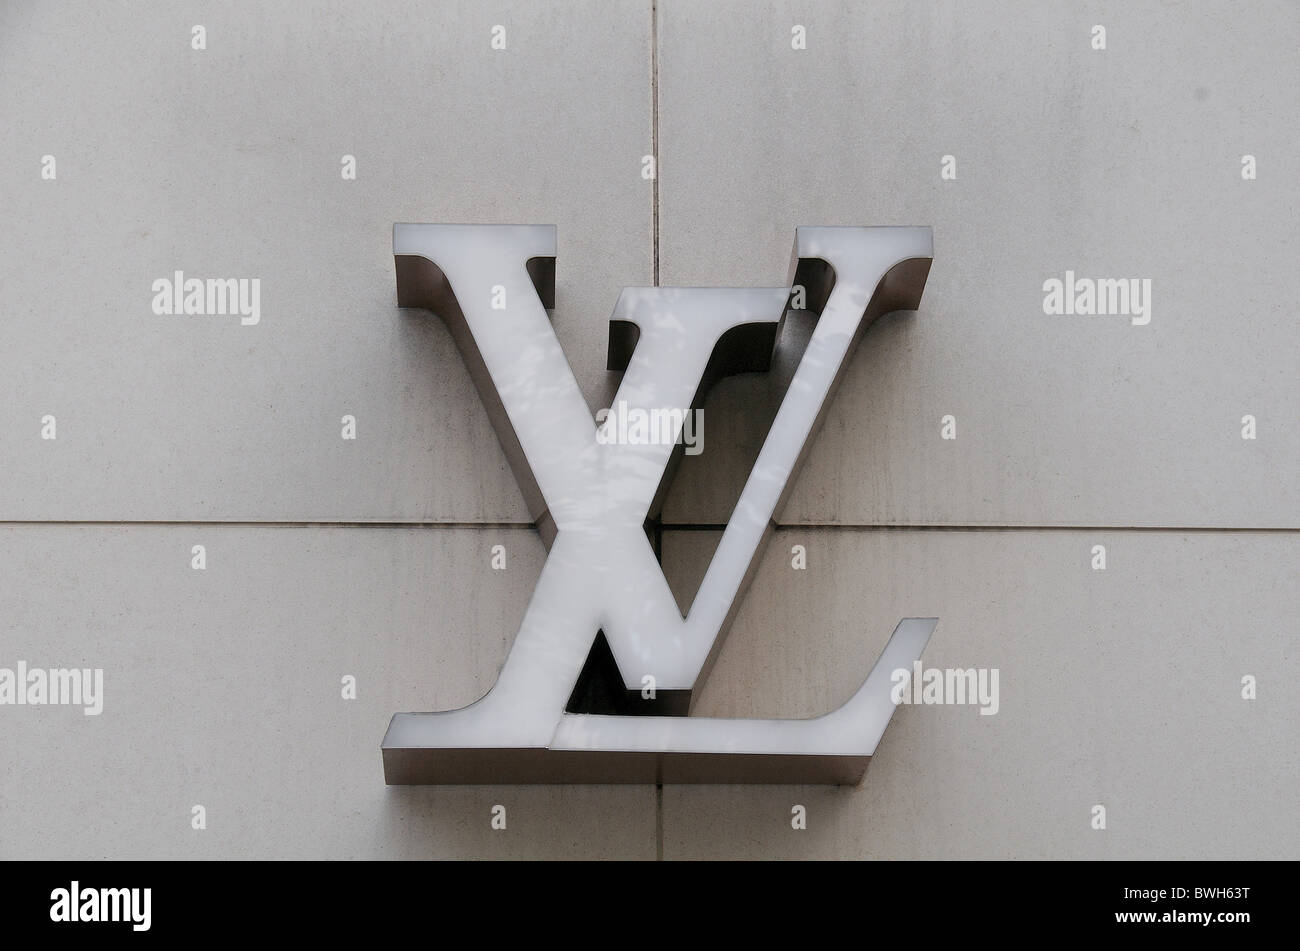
(602, 585)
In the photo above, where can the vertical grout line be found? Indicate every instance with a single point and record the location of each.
(659, 822)
(654, 192)
(654, 129)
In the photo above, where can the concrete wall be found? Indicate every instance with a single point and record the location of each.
(370, 558)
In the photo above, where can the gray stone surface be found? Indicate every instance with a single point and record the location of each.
(1115, 163)
(1119, 688)
(226, 163)
(223, 688)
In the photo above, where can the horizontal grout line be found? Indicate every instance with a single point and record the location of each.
(884, 527)
(667, 527)
(261, 523)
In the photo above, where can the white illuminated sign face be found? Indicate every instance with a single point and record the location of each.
(591, 497)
